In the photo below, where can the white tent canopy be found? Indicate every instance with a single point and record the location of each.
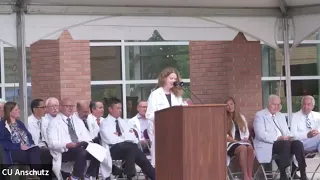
(27, 21)
(174, 19)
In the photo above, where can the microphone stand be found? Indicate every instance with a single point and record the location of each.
(181, 84)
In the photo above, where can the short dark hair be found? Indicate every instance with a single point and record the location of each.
(35, 103)
(112, 101)
(93, 105)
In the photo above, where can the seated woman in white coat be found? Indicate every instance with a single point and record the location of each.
(238, 143)
(166, 95)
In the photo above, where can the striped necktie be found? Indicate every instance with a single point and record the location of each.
(308, 122)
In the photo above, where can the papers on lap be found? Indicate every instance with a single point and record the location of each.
(97, 151)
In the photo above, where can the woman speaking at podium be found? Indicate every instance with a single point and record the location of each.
(166, 95)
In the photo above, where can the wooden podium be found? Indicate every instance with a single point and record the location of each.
(191, 143)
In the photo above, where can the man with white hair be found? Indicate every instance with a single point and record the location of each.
(2, 102)
(305, 125)
(272, 137)
(52, 109)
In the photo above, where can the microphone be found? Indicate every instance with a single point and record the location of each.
(181, 84)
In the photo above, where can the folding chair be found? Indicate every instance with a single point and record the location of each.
(140, 173)
(310, 155)
(119, 164)
(231, 175)
(261, 167)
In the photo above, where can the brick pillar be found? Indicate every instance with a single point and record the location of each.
(227, 68)
(61, 68)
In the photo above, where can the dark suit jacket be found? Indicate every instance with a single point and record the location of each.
(7, 144)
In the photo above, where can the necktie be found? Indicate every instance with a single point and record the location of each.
(86, 123)
(39, 126)
(308, 122)
(118, 128)
(98, 121)
(72, 132)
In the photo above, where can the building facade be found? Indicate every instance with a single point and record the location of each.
(247, 70)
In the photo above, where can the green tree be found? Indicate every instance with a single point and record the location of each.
(154, 59)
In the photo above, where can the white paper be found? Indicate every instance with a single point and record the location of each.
(97, 151)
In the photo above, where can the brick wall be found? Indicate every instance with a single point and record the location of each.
(61, 68)
(227, 68)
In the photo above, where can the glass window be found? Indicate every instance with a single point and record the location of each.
(103, 92)
(138, 92)
(11, 63)
(105, 40)
(12, 94)
(155, 37)
(142, 91)
(105, 63)
(304, 61)
(146, 62)
(299, 89)
(273, 87)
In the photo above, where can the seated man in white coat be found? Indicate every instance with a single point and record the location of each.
(67, 141)
(305, 125)
(97, 111)
(140, 123)
(93, 129)
(272, 137)
(36, 130)
(52, 109)
(119, 135)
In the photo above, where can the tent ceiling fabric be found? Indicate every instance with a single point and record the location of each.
(174, 19)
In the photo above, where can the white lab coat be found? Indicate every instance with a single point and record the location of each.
(57, 132)
(108, 129)
(34, 130)
(139, 126)
(243, 135)
(106, 164)
(45, 123)
(298, 124)
(93, 125)
(158, 101)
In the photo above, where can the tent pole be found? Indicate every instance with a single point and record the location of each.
(286, 51)
(21, 65)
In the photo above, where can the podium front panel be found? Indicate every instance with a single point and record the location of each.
(191, 143)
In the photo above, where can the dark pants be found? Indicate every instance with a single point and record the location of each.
(45, 156)
(80, 156)
(29, 157)
(284, 150)
(131, 154)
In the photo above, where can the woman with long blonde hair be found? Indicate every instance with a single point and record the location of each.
(238, 143)
(166, 95)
